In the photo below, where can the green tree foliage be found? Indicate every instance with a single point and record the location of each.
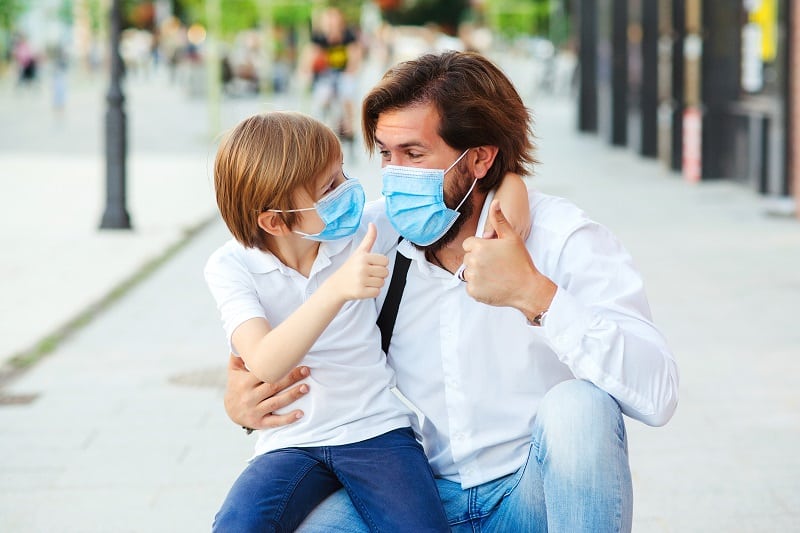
(513, 18)
(238, 15)
(10, 10)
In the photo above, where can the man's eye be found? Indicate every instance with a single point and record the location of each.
(413, 155)
(385, 154)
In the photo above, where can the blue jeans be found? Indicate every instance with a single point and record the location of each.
(387, 479)
(576, 478)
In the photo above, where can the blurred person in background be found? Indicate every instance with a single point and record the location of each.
(332, 62)
(520, 355)
(26, 61)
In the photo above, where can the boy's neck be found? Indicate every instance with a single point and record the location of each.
(295, 252)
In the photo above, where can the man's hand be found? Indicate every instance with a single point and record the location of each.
(501, 272)
(363, 275)
(250, 402)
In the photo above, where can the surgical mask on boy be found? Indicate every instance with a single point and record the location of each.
(415, 202)
(340, 210)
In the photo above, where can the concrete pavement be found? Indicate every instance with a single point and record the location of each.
(122, 427)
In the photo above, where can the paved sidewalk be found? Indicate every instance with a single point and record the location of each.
(126, 431)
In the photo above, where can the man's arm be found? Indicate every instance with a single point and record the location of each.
(250, 402)
(599, 321)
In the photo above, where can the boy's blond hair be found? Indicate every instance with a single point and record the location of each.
(263, 162)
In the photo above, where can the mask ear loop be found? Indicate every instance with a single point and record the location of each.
(471, 186)
(466, 195)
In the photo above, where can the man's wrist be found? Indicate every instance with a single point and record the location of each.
(538, 302)
(538, 320)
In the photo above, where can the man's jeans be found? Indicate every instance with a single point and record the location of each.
(577, 477)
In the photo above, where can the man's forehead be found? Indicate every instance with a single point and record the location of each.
(410, 126)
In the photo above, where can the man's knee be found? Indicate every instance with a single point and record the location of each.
(577, 418)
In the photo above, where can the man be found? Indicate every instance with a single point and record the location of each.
(520, 401)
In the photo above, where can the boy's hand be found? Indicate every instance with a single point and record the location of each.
(363, 275)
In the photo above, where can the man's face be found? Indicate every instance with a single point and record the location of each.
(409, 137)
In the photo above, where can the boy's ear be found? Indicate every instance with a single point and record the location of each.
(483, 159)
(272, 223)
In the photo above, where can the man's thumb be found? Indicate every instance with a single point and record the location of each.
(498, 220)
(369, 238)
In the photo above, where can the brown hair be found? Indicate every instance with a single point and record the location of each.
(477, 103)
(262, 162)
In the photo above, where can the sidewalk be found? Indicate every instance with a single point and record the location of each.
(122, 427)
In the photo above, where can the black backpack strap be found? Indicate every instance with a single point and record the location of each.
(394, 294)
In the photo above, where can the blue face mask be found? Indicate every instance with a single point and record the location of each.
(415, 202)
(340, 210)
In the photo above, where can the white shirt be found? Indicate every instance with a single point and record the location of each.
(349, 397)
(479, 372)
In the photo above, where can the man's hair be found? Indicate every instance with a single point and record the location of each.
(477, 105)
(262, 162)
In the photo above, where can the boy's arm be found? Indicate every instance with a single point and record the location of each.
(513, 197)
(271, 353)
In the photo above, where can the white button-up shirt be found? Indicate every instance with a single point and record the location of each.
(477, 373)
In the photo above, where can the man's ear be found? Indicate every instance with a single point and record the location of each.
(482, 159)
(272, 223)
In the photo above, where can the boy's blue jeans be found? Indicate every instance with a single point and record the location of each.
(576, 479)
(387, 478)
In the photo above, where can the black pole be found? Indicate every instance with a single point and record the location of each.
(587, 53)
(116, 214)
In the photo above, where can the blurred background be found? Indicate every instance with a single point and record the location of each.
(673, 122)
(704, 86)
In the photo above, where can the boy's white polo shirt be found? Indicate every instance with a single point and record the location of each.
(349, 397)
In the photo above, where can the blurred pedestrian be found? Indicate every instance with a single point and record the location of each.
(59, 65)
(332, 62)
(26, 61)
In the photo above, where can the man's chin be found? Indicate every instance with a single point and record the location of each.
(449, 236)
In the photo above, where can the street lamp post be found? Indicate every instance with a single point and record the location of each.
(116, 214)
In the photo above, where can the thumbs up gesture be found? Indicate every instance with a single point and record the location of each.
(363, 275)
(499, 271)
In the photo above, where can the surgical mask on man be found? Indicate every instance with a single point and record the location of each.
(415, 202)
(340, 210)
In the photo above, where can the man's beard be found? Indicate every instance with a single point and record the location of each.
(452, 196)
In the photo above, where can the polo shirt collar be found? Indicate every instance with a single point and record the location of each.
(259, 262)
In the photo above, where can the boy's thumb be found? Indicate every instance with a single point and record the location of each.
(369, 238)
(498, 220)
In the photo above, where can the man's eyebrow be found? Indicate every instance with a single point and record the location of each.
(409, 144)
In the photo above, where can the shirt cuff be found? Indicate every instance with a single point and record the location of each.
(567, 322)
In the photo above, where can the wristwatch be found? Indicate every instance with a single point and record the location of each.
(538, 320)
